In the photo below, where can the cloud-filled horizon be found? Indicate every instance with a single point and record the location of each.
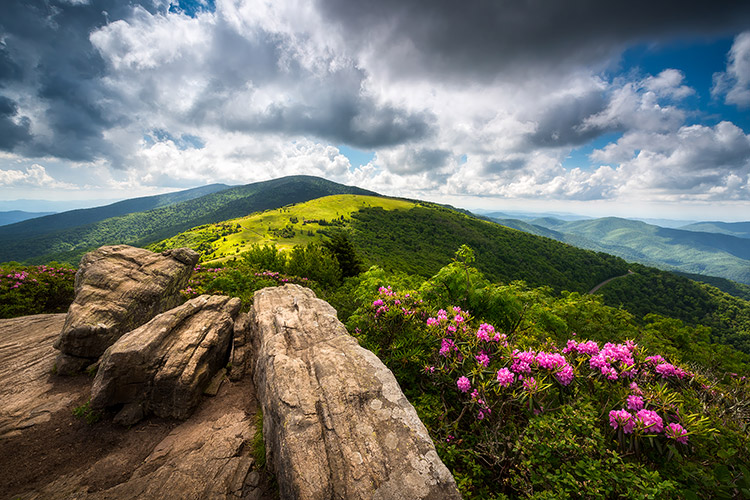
(606, 108)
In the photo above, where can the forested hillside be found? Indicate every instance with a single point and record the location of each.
(721, 252)
(74, 218)
(141, 228)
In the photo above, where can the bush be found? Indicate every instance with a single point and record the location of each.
(28, 290)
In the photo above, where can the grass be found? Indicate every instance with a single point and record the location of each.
(297, 224)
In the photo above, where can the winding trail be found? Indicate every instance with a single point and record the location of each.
(597, 287)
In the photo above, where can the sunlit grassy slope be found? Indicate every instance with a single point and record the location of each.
(285, 227)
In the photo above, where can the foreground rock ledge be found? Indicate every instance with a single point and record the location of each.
(118, 288)
(335, 421)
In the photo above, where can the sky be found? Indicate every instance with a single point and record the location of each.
(628, 108)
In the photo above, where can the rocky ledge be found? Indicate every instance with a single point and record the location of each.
(335, 422)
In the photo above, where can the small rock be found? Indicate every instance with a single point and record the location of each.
(212, 389)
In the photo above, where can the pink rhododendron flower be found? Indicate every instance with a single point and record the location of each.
(566, 375)
(635, 403)
(530, 384)
(483, 359)
(432, 321)
(676, 432)
(649, 421)
(505, 377)
(623, 419)
(463, 384)
(446, 347)
(377, 303)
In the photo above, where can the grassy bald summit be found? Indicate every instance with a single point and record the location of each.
(285, 227)
(69, 243)
(408, 236)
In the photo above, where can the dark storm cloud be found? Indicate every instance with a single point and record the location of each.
(11, 133)
(358, 123)
(47, 53)
(479, 38)
(564, 124)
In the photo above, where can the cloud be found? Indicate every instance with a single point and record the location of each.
(734, 83)
(696, 160)
(33, 176)
(227, 70)
(461, 40)
(13, 130)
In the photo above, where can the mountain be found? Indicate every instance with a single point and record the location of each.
(693, 252)
(13, 216)
(143, 227)
(413, 237)
(80, 217)
(738, 229)
(420, 238)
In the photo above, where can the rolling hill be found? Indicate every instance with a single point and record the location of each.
(694, 252)
(35, 245)
(75, 218)
(413, 237)
(738, 229)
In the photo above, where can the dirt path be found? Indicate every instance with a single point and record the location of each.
(597, 287)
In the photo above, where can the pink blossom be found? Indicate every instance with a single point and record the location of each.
(484, 332)
(463, 384)
(377, 303)
(676, 432)
(505, 377)
(530, 384)
(566, 375)
(483, 359)
(522, 361)
(635, 403)
(649, 421)
(446, 347)
(432, 321)
(621, 418)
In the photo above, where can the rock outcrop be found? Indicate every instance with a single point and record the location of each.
(117, 289)
(163, 367)
(27, 395)
(335, 421)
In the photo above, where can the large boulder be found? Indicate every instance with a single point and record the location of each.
(335, 421)
(163, 366)
(117, 289)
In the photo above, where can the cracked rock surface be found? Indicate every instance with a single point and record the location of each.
(335, 421)
(117, 289)
(163, 367)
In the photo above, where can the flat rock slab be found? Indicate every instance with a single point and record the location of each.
(117, 289)
(164, 366)
(335, 421)
(205, 457)
(27, 391)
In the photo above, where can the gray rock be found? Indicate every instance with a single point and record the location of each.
(335, 421)
(164, 366)
(117, 289)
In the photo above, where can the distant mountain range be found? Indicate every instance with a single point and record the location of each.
(13, 216)
(68, 235)
(706, 248)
